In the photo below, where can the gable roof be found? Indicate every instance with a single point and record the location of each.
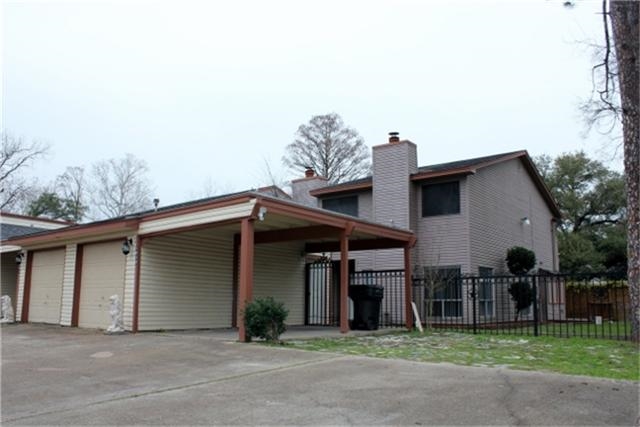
(459, 167)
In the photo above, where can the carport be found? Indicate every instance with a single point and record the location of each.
(197, 264)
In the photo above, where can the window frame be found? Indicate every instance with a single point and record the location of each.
(350, 196)
(485, 274)
(445, 301)
(425, 205)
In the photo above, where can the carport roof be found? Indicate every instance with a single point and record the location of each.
(283, 220)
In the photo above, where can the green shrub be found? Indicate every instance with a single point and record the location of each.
(522, 294)
(520, 260)
(264, 318)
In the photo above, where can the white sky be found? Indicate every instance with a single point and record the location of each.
(204, 91)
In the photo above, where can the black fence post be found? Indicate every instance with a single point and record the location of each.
(535, 307)
(473, 301)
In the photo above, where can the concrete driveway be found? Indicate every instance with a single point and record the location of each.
(53, 375)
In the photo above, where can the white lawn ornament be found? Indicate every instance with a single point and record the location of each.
(7, 310)
(115, 311)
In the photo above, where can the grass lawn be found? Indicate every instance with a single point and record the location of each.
(576, 356)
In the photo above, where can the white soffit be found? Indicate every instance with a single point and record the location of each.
(9, 248)
(207, 216)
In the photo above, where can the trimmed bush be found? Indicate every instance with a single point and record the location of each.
(264, 318)
(520, 260)
(522, 294)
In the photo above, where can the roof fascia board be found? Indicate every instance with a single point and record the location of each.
(190, 218)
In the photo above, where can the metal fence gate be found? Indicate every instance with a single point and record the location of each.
(322, 303)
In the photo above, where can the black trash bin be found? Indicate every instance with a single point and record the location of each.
(366, 306)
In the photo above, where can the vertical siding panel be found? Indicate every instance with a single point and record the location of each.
(279, 273)
(501, 195)
(20, 293)
(68, 277)
(185, 281)
(129, 287)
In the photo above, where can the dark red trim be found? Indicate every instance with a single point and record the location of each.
(76, 231)
(408, 310)
(342, 188)
(77, 281)
(246, 273)
(136, 286)
(26, 293)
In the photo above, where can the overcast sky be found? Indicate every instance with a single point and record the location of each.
(205, 91)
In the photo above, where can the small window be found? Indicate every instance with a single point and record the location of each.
(444, 292)
(347, 205)
(441, 199)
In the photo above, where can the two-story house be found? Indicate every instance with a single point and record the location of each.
(465, 214)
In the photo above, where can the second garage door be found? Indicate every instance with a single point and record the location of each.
(102, 276)
(46, 286)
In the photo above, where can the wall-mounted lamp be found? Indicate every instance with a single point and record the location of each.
(525, 221)
(126, 246)
(19, 257)
(261, 212)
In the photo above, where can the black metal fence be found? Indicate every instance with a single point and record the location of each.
(322, 307)
(541, 304)
(554, 305)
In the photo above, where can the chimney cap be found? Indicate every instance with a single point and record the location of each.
(394, 137)
(309, 172)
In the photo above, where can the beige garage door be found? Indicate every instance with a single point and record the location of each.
(102, 276)
(46, 286)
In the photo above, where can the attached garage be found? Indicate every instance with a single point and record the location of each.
(45, 294)
(103, 270)
(192, 265)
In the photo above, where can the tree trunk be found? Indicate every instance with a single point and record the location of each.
(625, 21)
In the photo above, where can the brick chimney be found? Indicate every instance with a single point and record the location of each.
(300, 187)
(393, 163)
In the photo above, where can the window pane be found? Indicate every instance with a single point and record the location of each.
(345, 205)
(441, 199)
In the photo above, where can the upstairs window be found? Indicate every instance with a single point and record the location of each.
(441, 199)
(347, 205)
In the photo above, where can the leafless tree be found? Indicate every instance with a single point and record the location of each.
(617, 97)
(71, 187)
(120, 187)
(16, 156)
(333, 150)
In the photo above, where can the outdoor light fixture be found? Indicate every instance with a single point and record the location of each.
(126, 246)
(261, 212)
(19, 257)
(526, 221)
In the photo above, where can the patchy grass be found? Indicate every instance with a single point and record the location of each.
(575, 356)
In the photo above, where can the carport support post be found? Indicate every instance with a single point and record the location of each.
(408, 310)
(245, 293)
(344, 283)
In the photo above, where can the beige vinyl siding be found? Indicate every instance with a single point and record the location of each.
(500, 196)
(9, 275)
(129, 286)
(21, 278)
(68, 281)
(102, 276)
(186, 281)
(279, 273)
(46, 286)
(443, 240)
